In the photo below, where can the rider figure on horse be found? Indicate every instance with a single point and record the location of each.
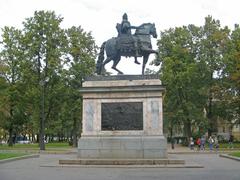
(125, 29)
(125, 25)
(126, 44)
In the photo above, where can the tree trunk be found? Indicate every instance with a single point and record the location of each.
(187, 129)
(211, 120)
(10, 143)
(75, 132)
(33, 137)
(10, 140)
(42, 120)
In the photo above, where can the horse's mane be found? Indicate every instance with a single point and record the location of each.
(142, 28)
(144, 24)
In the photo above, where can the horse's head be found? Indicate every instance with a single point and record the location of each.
(147, 29)
(153, 30)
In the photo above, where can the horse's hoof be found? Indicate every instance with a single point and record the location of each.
(137, 62)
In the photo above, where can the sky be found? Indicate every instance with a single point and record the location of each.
(100, 17)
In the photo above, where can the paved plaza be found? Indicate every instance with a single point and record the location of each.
(46, 167)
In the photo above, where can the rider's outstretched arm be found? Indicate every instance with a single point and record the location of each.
(134, 27)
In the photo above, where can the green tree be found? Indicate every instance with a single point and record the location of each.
(191, 60)
(80, 55)
(42, 68)
(44, 41)
(179, 72)
(3, 105)
(214, 40)
(229, 96)
(12, 101)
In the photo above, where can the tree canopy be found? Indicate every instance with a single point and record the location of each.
(200, 67)
(42, 68)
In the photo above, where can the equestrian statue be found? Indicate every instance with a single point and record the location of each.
(128, 45)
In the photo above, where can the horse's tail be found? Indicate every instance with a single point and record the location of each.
(99, 65)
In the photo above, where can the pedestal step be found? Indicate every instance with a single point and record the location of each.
(122, 162)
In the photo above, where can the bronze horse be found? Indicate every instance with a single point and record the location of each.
(125, 46)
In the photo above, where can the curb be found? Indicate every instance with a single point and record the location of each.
(200, 152)
(126, 166)
(39, 151)
(195, 152)
(229, 157)
(19, 158)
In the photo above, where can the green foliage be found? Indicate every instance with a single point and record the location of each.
(214, 40)
(230, 90)
(12, 90)
(81, 50)
(44, 41)
(42, 68)
(198, 65)
(179, 72)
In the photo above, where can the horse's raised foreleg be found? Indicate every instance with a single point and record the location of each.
(150, 51)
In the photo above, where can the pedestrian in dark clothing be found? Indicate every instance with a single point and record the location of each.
(216, 144)
(172, 142)
(230, 141)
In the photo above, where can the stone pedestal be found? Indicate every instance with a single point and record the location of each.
(122, 118)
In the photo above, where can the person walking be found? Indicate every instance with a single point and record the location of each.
(191, 143)
(203, 140)
(230, 141)
(216, 144)
(211, 142)
(198, 142)
(172, 142)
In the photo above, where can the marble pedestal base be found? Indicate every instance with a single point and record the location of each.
(133, 130)
(122, 147)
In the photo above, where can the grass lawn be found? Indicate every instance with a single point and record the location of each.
(58, 145)
(237, 154)
(10, 155)
(226, 145)
(35, 146)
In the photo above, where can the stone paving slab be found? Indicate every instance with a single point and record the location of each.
(46, 167)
